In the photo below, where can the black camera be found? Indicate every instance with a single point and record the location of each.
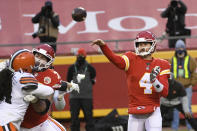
(47, 9)
(41, 30)
(174, 3)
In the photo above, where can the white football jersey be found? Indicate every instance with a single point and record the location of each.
(15, 111)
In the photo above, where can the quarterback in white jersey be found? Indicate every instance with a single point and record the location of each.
(16, 84)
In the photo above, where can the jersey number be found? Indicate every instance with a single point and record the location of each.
(145, 83)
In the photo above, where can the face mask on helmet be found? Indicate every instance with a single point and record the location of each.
(145, 37)
(44, 57)
(22, 60)
(40, 62)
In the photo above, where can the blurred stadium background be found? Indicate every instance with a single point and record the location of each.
(117, 25)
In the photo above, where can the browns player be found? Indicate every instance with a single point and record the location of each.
(147, 80)
(36, 117)
(16, 84)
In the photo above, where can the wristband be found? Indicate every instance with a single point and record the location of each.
(158, 86)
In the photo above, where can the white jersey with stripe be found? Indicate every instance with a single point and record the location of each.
(15, 111)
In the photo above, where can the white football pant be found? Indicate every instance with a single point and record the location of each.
(150, 122)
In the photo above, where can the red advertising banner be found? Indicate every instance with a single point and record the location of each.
(108, 20)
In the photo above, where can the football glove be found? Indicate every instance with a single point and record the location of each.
(74, 86)
(154, 73)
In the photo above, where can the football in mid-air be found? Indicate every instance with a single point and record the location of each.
(79, 14)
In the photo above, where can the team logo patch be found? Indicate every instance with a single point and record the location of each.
(140, 107)
(47, 80)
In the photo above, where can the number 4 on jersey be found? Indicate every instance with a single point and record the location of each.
(145, 83)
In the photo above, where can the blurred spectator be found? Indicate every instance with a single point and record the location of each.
(82, 73)
(48, 25)
(175, 12)
(183, 67)
(177, 98)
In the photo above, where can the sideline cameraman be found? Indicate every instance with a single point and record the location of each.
(48, 25)
(175, 12)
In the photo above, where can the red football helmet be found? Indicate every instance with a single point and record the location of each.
(146, 37)
(48, 52)
(22, 60)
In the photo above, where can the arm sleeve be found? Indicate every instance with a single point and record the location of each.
(161, 85)
(59, 104)
(92, 73)
(28, 82)
(185, 104)
(115, 59)
(162, 80)
(166, 12)
(70, 73)
(55, 20)
(42, 91)
(183, 8)
(36, 18)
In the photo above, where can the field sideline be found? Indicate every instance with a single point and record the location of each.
(67, 60)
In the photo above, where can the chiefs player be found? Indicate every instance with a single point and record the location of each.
(36, 117)
(147, 80)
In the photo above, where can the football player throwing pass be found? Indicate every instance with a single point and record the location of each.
(147, 80)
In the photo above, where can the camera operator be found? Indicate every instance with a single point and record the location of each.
(48, 25)
(175, 12)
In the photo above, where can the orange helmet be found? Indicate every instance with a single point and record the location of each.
(22, 60)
